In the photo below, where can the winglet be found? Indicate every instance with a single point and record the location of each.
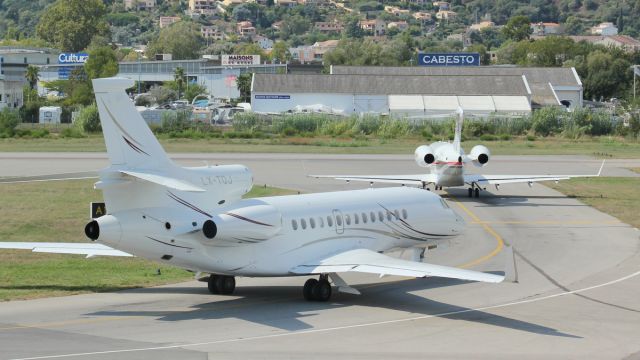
(510, 270)
(601, 167)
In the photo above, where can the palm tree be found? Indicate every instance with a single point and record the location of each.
(33, 72)
(179, 78)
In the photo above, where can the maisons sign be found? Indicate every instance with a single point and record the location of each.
(240, 60)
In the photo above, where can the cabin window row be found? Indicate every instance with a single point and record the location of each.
(348, 219)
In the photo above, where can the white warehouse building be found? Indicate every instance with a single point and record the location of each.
(397, 95)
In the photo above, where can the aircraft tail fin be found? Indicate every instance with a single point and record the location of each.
(130, 143)
(458, 130)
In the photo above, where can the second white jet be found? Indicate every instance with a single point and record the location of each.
(446, 162)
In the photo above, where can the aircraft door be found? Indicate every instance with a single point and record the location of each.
(338, 221)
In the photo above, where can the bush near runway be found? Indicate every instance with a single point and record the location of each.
(58, 211)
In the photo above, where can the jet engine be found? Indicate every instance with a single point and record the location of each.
(424, 156)
(247, 225)
(479, 155)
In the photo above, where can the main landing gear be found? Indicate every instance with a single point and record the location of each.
(474, 190)
(221, 284)
(317, 290)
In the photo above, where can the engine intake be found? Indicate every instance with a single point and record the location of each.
(479, 155)
(424, 156)
(247, 224)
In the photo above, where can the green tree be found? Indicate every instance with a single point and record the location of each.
(280, 52)
(32, 74)
(194, 90)
(179, 79)
(244, 86)
(352, 28)
(71, 24)
(181, 39)
(88, 121)
(518, 28)
(102, 62)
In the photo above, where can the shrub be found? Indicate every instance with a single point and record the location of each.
(88, 121)
(531, 138)
(9, 119)
(175, 121)
(71, 133)
(547, 121)
(504, 137)
(488, 137)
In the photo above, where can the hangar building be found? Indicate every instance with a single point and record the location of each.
(549, 86)
(398, 95)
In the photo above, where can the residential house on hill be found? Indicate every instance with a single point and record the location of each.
(139, 5)
(167, 20)
(604, 29)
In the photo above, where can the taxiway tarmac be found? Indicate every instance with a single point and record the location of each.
(579, 273)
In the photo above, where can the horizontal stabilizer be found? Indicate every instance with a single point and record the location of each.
(88, 249)
(367, 261)
(161, 179)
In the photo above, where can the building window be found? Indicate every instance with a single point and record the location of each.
(294, 224)
(303, 223)
(48, 61)
(25, 60)
(312, 222)
(404, 214)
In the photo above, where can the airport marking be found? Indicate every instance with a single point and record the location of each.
(337, 328)
(487, 228)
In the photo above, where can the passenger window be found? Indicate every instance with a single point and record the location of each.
(321, 221)
(339, 220)
(356, 220)
(364, 218)
(380, 216)
(329, 221)
(312, 223)
(347, 219)
(388, 215)
(396, 214)
(404, 214)
(294, 224)
(372, 216)
(303, 223)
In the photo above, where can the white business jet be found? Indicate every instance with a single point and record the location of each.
(194, 218)
(446, 162)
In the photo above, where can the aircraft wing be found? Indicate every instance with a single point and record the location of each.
(389, 179)
(88, 249)
(506, 179)
(367, 261)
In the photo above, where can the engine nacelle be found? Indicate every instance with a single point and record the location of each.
(424, 156)
(243, 225)
(479, 155)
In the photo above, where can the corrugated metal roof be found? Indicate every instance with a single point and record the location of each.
(385, 84)
(555, 76)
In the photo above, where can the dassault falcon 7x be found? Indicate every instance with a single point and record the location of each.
(446, 162)
(195, 218)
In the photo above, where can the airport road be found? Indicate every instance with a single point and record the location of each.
(577, 296)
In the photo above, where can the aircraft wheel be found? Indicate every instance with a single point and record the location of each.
(212, 284)
(322, 291)
(477, 192)
(470, 192)
(307, 291)
(227, 285)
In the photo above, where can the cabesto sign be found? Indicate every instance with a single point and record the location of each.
(449, 59)
(72, 58)
(240, 60)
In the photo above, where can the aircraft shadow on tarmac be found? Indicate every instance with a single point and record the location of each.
(488, 199)
(282, 307)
